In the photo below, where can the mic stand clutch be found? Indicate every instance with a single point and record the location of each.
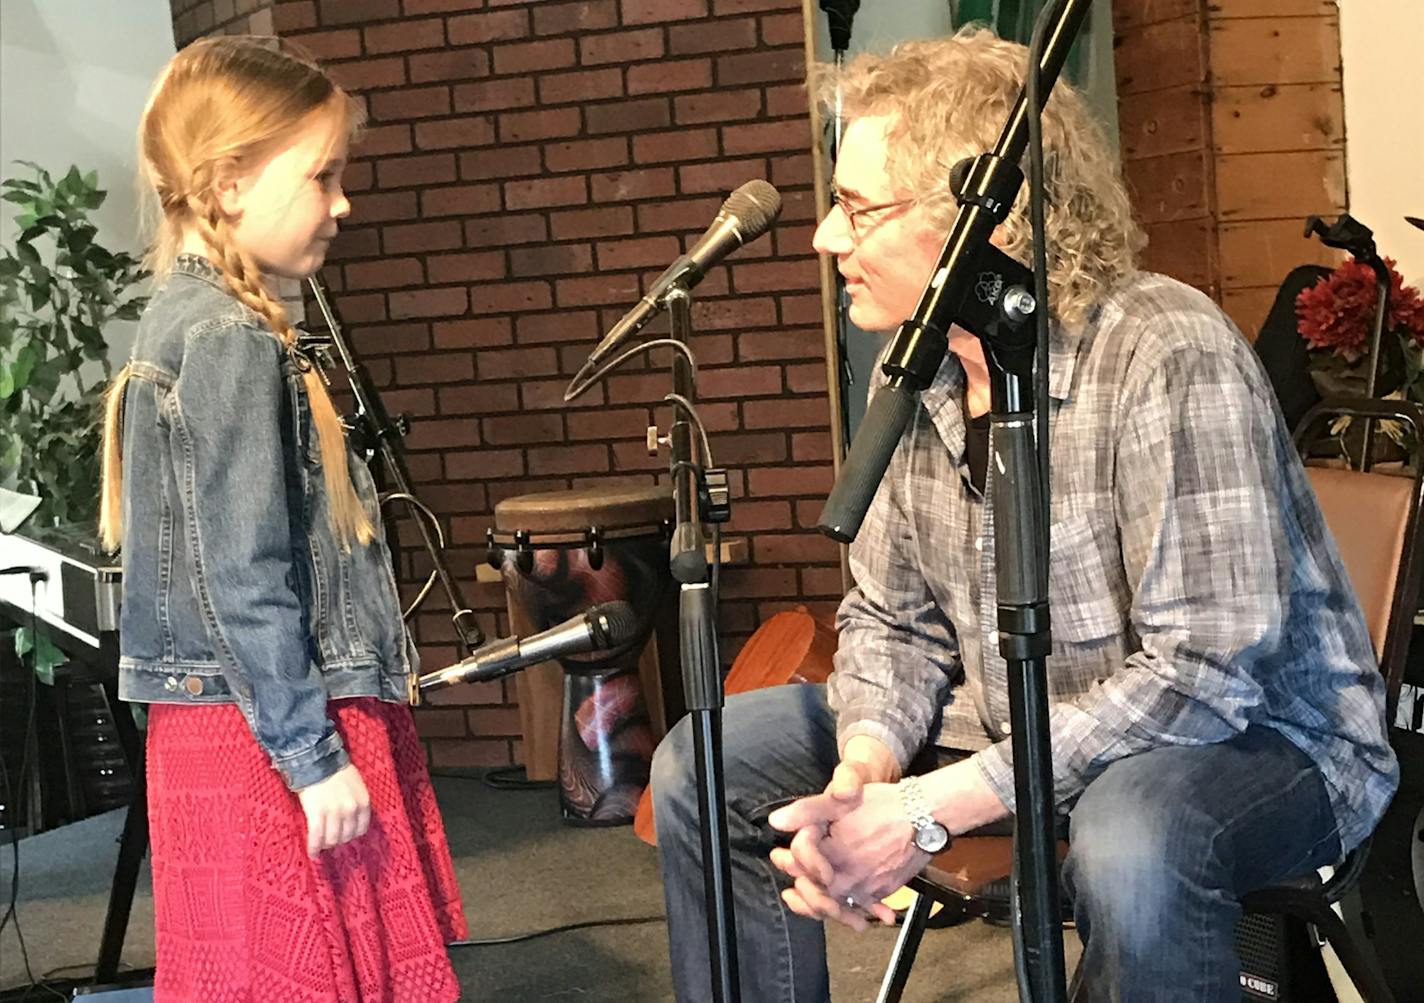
(701, 666)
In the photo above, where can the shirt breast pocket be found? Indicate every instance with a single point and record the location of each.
(1086, 587)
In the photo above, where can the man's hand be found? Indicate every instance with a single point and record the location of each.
(338, 810)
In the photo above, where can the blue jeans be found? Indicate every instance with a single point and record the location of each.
(1163, 845)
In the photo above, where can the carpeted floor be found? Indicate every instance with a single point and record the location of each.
(520, 869)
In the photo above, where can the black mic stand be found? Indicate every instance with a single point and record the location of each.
(375, 432)
(981, 288)
(701, 666)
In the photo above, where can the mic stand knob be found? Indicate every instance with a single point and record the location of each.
(654, 440)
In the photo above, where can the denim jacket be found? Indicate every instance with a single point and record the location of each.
(235, 587)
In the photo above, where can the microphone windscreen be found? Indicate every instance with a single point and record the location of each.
(756, 205)
(614, 623)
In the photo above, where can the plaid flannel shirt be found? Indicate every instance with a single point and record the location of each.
(1194, 588)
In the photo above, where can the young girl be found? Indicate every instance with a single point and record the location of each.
(298, 854)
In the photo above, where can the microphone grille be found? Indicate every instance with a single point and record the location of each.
(756, 205)
(613, 624)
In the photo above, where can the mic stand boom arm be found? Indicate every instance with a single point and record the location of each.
(375, 431)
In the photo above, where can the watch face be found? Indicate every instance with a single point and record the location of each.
(932, 838)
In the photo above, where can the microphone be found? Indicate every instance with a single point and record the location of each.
(608, 625)
(746, 215)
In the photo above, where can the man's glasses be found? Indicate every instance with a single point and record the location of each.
(863, 219)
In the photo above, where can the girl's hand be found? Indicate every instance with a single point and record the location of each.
(338, 810)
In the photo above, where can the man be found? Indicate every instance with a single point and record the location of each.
(1217, 712)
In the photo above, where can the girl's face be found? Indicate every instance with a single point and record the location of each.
(284, 211)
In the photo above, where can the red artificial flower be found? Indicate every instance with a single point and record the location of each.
(1338, 312)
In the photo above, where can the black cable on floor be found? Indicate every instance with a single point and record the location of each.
(506, 778)
(565, 928)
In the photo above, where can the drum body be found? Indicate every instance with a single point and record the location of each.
(592, 719)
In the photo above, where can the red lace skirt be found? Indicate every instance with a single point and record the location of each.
(243, 915)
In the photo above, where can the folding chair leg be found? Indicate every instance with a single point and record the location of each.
(1354, 954)
(912, 928)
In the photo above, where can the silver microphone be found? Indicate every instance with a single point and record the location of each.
(598, 628)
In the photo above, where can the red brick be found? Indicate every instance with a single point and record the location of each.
(719, 35)
(681, 215)
(462, 200)
(712, 349)
(806, 379)
(326, 45)
(767, 66)
(716, 106)
(739, 381)
(484, 464)
(790, 481)
(494, 721)
(470, 267)
(590, 458)
(438, 367)
(507, 228)
(439, 6)
(385, 274)
(492, 26)
(558, 19)
(763, 137)
(580, 86)
(733, 314)
(478, 398)
(451, 64)
(682, 145)
(547, 123)
(481, 332)
(355, 11)
(418, 401)
(621, 47)
(501, 162)
(787, 100)
(358, 309)
(359, 177)
(440, 236)
(776, 276)
(725, 7)
(741, 449)
(622, 186)
(468, 753)
(551, 259)
(591, 222)
(642, 252)
(534, 57)
(628, 116)
(491, 95)
(665, 76)
(788, 412)
(649, 11)
(410, 102)
(379, 140)
(806, 343)
(783, 29)
(294, 16)
(358, 242)
(564, 325)
(375, 339)
(439, 722)
(758, 583)
(821, 581)
(542, 192)
(454, 132)
(633, 455)
(793, 241)
(723, 176)
(586, 153)
(798, 205)
(597, 289)
(363, 74)
(509, 297)
(378, 207)
(444, 302)
(794, 548)
(800, 309)
(607, 424)
(520, 429)
(406, 36)
(812, 446)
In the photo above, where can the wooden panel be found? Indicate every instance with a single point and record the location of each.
(1184, 249)
(1161, 55)
(1169, 188)
(1161, 122)
(1263, 251)
(1130, 14)
(1271, 118)
(1279, 185)
(1275, 50)
(1221, 10)
(1248, 307)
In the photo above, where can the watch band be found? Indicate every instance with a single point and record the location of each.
(912, 796)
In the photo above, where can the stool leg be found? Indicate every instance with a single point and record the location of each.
(912, 928)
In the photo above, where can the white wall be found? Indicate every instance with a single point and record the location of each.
(1380, 46)
(74, 75)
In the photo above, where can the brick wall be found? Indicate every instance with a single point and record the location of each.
(527, 168)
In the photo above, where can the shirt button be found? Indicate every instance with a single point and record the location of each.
(171, 684)
(1005, 728)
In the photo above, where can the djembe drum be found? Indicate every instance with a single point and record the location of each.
(559, 553)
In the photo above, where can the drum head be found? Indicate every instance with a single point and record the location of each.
(647, 505)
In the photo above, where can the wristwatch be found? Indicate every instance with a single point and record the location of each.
(930, 836)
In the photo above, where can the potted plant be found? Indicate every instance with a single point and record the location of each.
(59, 288)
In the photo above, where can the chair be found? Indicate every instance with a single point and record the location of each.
(1374, 518)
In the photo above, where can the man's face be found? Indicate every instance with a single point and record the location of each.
(886, 254)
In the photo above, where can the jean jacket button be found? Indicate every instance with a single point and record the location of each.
(194, 685)
(171, 684)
